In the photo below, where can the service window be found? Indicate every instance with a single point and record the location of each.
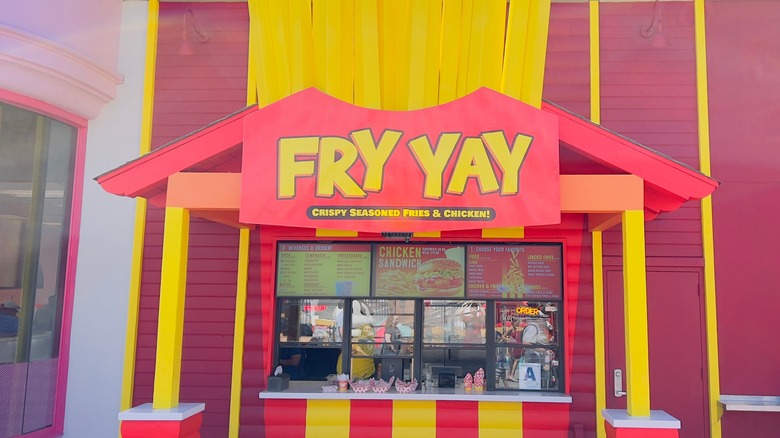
(454, 333)
(527, 345)
(415, 311)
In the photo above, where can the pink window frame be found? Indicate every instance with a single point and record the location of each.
(80, 124)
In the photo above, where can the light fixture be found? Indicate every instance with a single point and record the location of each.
(184, 47)
(655, 30)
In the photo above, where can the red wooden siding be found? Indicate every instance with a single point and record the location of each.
(547, 420)
(371, 418)
(567, 68)
(457, 419)
(567, 83)
(285, 418)
(744, 92)
(649, 94)
(191, 91)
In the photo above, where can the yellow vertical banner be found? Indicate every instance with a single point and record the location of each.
(334, 59)
(402, 45)
(387, 55)
(348, 51)
(301, 44)
(466, 11)
(451, 37)
(514, 48)
(320, 44)
(476, 45)
(423, 15)
(368, 91)
(535, 53)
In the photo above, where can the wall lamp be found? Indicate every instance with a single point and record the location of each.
(184, 47)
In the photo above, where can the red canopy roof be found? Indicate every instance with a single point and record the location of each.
(586, 148)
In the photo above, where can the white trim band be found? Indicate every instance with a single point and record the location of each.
(657, 420)
(311, 391)
(146, 412)
(754, 403)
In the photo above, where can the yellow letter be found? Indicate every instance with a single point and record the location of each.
(337, 155)
(375, 157)
(473, 161)
(433, 164)
(509, 162)
(289, 168)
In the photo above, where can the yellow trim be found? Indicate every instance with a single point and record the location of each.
(710, 297)
(327, 418)
(170, 324)
(500, 419)
(635, 311)
(323, 232)
(503, 233)
(414, 418)
(238, 333)
(598, 332)
(251, 71)
(595, 63)
(428, 234)
(139, 228)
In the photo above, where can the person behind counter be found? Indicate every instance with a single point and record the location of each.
(392, 344)
(9, 322)
(291, 359)
(363, 366)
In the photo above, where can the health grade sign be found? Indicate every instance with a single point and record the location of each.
(482, 161)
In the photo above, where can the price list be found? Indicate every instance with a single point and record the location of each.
(514, 271)
(323, 270)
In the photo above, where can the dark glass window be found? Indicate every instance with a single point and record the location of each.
(36, 179)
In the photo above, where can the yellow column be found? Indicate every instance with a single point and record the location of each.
(598, 332)
(170, 324)
(711, 311)
(635, 309)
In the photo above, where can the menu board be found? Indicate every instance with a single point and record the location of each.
(413, 271)
(311, 270)
(515, 271)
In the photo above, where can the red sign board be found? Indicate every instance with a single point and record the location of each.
(531, 272)
(483, 161)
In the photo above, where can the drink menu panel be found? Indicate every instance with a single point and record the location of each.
(531, 272)
(307, 269)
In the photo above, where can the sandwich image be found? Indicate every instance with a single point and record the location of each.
(439, 277)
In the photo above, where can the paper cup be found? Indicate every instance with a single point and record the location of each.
(343, 385)
(343, 288)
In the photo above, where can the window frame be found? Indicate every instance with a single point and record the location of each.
(490, 345)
